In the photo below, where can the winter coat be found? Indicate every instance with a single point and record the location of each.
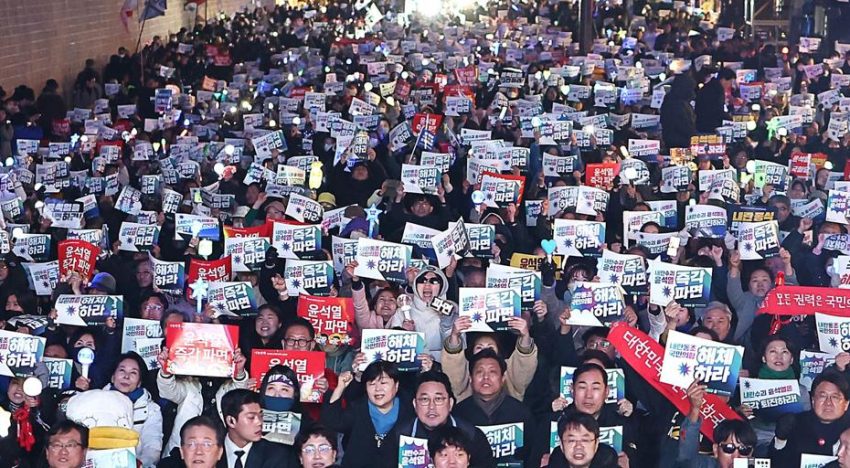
(186, 393)
(678, 121)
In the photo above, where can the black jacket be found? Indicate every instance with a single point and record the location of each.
(709, 107)
(510, 411)
(265, 454)
(480, 455)
(809, 435)
(677, 116)
(360, 440)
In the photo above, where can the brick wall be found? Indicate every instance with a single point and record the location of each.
(41, 39)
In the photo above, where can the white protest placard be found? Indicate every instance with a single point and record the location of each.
(382, 260)
(687, 358)
(771, 397)
(688, 286)
(833, 333)
(576, 238)
(759, 240)
(705, 221)
(626, 270)
(304, 209)
(528, 282)
(420, 179)
(398, 346)
(596, 304)
(489, 308)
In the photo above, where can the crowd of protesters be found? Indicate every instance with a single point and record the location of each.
(377, 72)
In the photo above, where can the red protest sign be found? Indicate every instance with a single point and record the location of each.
(77, 255)
(332, 317)
(309, 366)
(602, 175)
(458, 90)
(402, 90)
(646, 356)
(61, 127)
(201, 349)
(208, 270)
(806, 300)
(430, 121)
(298, 92)
(467, 76)
(263, 230)
(800, 164)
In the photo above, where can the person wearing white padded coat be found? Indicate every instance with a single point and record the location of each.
(147, 416)
(186, 392)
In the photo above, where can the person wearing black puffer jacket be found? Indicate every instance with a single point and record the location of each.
(817, 431)
(433, 404)
(579, 447)
(366, 422)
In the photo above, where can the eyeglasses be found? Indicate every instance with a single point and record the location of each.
(434, 280)
(297, 341)
(205, 445)
(322, 449)
(834, 398)
(438, 400)
(153, 307)
(599, 344)
(729, 449)
(573, 442)
(144, 273)
(58, 446)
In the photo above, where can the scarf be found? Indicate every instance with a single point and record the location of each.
(383, 422)
(134, 395)
(490, 407)
(26, 437)
(768, 373)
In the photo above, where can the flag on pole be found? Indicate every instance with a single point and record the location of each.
(153, 8)
(127, 11)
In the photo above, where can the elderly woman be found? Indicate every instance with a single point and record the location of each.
(127, 378)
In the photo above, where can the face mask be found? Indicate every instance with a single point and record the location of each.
(277, 403)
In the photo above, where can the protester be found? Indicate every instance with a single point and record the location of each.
(66, 446)
(244, 445)
(302, 214)
(366, 422)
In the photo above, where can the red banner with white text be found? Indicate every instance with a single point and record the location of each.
(806, 300)
(646, 356)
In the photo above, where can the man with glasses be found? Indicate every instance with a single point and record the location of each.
(818, 430)
(433, 403)
(67, 442)
(590, 393)
(201, 444)
(578, 434)
(733, 438)
(597, 338)
(299, 335)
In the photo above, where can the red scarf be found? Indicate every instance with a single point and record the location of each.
(26, 438)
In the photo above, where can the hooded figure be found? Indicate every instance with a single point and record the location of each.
(430, 284)
(678, 119)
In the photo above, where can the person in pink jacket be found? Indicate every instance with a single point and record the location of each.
(380, 312)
